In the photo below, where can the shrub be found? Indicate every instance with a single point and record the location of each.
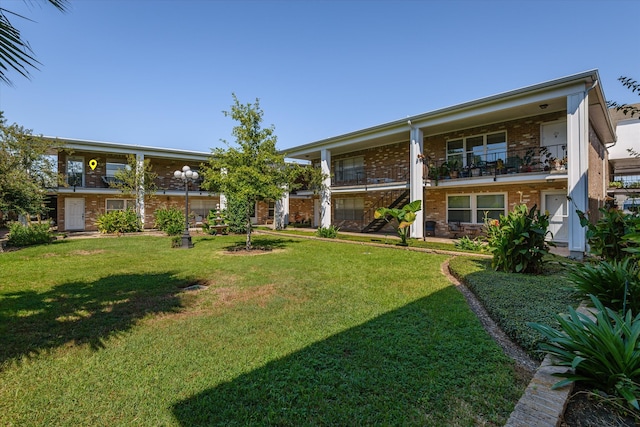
(32, 234)
(614, 235)
(170, 220)
(468, 244)
(119, 222)
(330, 232)
(616, 284)
(602, 353)
(518, 240)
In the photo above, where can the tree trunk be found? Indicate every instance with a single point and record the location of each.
(248, 244)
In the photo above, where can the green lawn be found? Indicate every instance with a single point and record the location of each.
(100, 332)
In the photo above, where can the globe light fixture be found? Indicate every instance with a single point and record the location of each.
(187, 176)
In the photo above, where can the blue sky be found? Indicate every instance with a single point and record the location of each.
(160, 72)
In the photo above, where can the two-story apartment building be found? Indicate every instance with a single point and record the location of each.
(624, 187)
(89, 166)
(543, 145)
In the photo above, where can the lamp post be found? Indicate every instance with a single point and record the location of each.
(186, 175)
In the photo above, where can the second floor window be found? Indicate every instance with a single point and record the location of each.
(75, 171)
(473, 150)
(350, 170)
(112, 167)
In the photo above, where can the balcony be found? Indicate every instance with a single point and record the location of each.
(364, 176)
(549, 159)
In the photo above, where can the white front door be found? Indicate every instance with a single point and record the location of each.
(74, 213)
(554, 137)
(557, 206)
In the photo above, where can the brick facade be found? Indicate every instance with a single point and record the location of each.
(435, 199)
(598, 175)
(521, 134)
(301, 210)
(389, 161)
(95, 205)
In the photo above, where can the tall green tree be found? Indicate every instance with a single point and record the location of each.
(253, 170)
(27, 168)
(15, 52)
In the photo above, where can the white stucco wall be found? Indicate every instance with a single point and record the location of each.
(628, 132)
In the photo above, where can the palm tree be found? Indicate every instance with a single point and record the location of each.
(15, 53)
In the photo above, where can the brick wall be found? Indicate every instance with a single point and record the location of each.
(95, 205)
(598, 176)
(381, 161)
(435, 199)
(521, 134)
(300, 210)
(164, 168)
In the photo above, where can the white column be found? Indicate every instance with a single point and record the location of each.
(415, 180)
(577, 168)
(325, 196)
(140, 192)
(223, 198)
(281, 212)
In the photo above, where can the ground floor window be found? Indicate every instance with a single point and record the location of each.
(272, 210)
(474, 208)
(349, 209)
(120, 204)
(201, 208)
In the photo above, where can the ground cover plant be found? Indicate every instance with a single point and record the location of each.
(513, 299)
(102, 332)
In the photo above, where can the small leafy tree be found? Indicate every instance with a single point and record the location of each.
(518, 240)
(27, 168)
(136, 180)
(254, 170)
(404, 216)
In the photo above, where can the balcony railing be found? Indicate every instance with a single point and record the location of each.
(370, 176)
(551, 159)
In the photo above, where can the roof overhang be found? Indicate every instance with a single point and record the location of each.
(512, 105)
(117, 148)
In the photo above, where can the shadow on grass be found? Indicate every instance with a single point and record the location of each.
(81, 312)
(421, 364)
(262, 243)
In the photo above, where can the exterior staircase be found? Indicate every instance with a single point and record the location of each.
(376, 224)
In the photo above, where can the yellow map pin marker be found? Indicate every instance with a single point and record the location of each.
(93, 163)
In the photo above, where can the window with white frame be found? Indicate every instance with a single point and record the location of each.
(120, 205)
(114, 166)
(349, 209)
(349, 170)
(201, 207)
(75, 171)
(473, 150)
(474, 208)
(272, 209)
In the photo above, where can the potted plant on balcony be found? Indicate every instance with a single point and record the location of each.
(528, 161)
(443, 171)
(454, 167)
